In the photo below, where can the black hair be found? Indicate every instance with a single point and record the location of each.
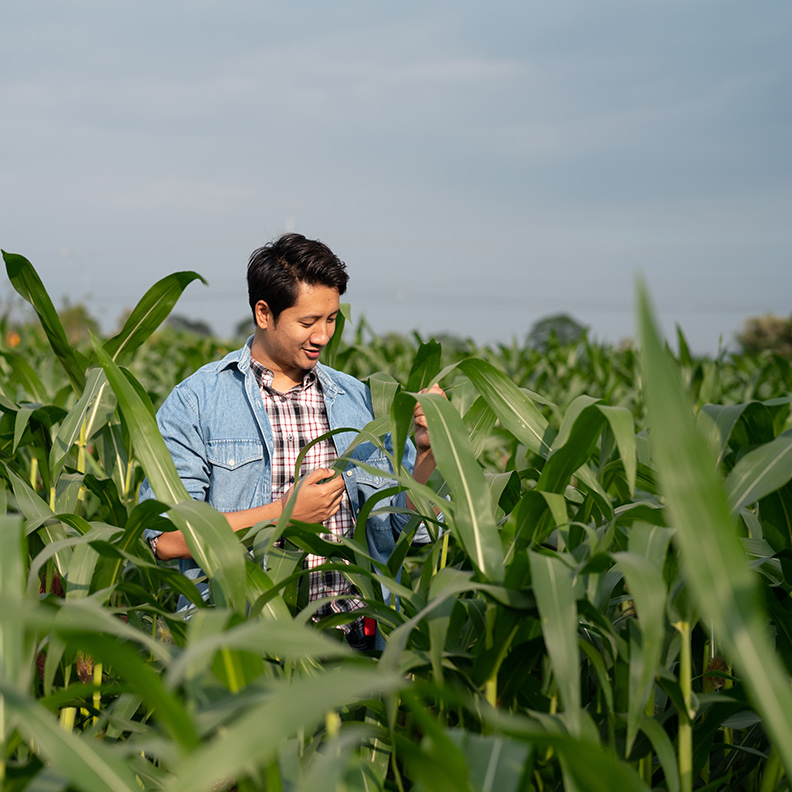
(276, 270)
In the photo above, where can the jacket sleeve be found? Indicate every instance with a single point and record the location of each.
(178, 421)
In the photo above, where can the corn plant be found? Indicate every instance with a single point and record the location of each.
(604, 604)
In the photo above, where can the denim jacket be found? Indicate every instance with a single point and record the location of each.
(216, 428)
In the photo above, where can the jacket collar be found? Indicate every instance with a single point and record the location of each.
(241, 358)
(327, 379)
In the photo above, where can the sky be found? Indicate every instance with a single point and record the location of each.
(477, 166)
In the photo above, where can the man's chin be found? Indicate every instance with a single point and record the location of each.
(311, 358)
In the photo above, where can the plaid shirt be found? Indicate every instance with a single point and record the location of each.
(297, 417)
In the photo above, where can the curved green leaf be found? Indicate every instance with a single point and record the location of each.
(84, 412)
(516, 412)
(212, 544)
(718, 572)
(25, 375)
(148, 443)
(493, 762)
(14, 659)
(87, 764)
(27, 283)
(150, 312)
(589, 766)
(718, 423)
(552, 587)
(760, 472)
(473, 519)
(286, 710)
(425, 366)
(620, 421)
(645, 583)
(284, 639)
(664, 750)
(330, 352)
(572, 449)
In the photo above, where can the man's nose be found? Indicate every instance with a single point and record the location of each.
(321, 336)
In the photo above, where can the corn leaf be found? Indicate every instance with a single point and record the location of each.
(211, 542)
(214, 631)
(760, 472)
(27, 283)
(572, 448)
(493, 762)
(150, 312)
(620, 421)
(588, 766)
(552, 587)
(330, 352)
(645, 582)
(253, 738)
(87, 764)
(88, 407)
(473, 520)
(717, 570)
(25, 375)
(516, 412)
(12, 589)
(425, 366)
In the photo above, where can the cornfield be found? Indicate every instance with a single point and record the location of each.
(606, 604)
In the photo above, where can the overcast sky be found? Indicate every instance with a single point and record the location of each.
(478, 166)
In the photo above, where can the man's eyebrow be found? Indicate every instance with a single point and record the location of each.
(317, 315)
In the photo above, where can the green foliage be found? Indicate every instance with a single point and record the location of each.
(767, 333)
(559, 329)
(607, 605)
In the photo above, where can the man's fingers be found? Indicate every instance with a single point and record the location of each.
(317, 475)
(324, 477)
(434, 389)
(336, 484)
(422, 440)
(418, 413)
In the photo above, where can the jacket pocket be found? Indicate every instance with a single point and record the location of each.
(236, 477)
(233, 454)
(382, 478)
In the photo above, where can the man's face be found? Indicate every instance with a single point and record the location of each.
(290, 345)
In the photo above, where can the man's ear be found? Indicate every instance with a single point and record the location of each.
(263, 315)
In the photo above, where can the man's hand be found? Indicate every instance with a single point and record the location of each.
(423, 443)
(316, 502)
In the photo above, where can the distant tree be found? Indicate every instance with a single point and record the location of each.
(768, 332)
(196, 326)
(562, 327)
(77, 323)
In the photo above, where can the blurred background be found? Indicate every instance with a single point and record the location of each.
(478, 168)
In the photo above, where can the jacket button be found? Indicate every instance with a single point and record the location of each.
(349, 472)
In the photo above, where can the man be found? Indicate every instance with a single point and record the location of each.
(236, 426)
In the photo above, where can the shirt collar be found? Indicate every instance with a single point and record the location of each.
(264, 377)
